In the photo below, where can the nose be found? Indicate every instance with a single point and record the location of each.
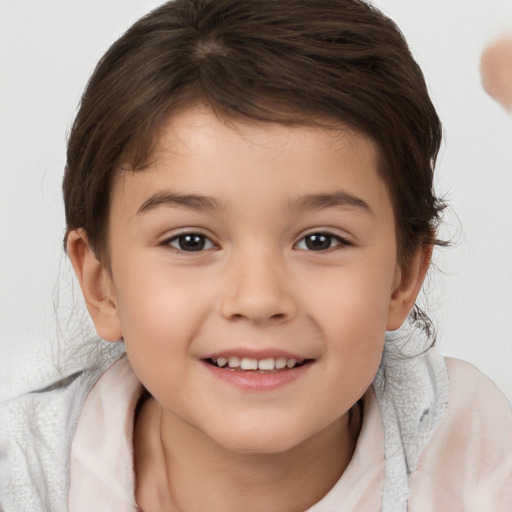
(258, 290)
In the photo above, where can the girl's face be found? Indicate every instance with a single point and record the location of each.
(246, 245)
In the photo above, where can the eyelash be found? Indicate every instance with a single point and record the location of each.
(203, 241)
(182, 236)
(343, 242)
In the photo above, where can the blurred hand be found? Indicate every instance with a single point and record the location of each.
(496, 70)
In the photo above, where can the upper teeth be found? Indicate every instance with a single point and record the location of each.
(248, 363)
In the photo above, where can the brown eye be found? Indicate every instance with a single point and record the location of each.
(191, 242)
(320, 242)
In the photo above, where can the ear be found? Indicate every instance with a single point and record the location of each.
(96, 284)
(406, 286)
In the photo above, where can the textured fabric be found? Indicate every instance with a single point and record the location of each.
(466, 465)
(412, 389)
(37, 427)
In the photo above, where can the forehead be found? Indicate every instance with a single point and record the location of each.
(197, 129)
(196, 152)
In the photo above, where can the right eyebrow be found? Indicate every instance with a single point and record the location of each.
(195, 202)
(328, 200)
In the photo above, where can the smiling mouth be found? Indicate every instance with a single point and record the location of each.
(248, 364)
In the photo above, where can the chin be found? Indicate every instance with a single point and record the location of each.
(260, 441)
(260, 447)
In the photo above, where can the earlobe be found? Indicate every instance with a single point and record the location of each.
(96, 285)
(406, 287)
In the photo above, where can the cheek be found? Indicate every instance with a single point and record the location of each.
(356, 297)
(159, 316)
(351, 312)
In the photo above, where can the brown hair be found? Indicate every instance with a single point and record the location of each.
(285, 61)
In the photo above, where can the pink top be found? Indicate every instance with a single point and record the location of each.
(466, 466)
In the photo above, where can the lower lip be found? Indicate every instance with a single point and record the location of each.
(253, 381)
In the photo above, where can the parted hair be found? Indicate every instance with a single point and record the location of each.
(277, 61)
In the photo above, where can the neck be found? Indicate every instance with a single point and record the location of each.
(196, 474)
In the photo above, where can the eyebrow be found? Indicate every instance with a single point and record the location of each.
(206, 203)
(329, 200)
(171, 199)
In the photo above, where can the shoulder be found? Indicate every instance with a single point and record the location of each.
(468, 383)
(467, 464)
(36, 432)
(474, 400)
(478, 413)
(36, 429)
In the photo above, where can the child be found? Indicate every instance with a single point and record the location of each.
(249, 207)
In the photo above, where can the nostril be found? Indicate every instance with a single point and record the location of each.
(257, 305)
(263, 319)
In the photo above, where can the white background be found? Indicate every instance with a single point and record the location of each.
(48, 50)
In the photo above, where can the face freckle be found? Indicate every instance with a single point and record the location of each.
(253, 244)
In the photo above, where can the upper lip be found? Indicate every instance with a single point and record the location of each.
(255, 354)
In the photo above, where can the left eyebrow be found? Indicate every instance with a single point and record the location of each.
(188, 201)
(329, 200)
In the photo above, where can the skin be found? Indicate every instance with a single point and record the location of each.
(255, 286)
(496, 70)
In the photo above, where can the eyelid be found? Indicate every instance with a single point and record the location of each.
(343, 241)
(166, 242)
